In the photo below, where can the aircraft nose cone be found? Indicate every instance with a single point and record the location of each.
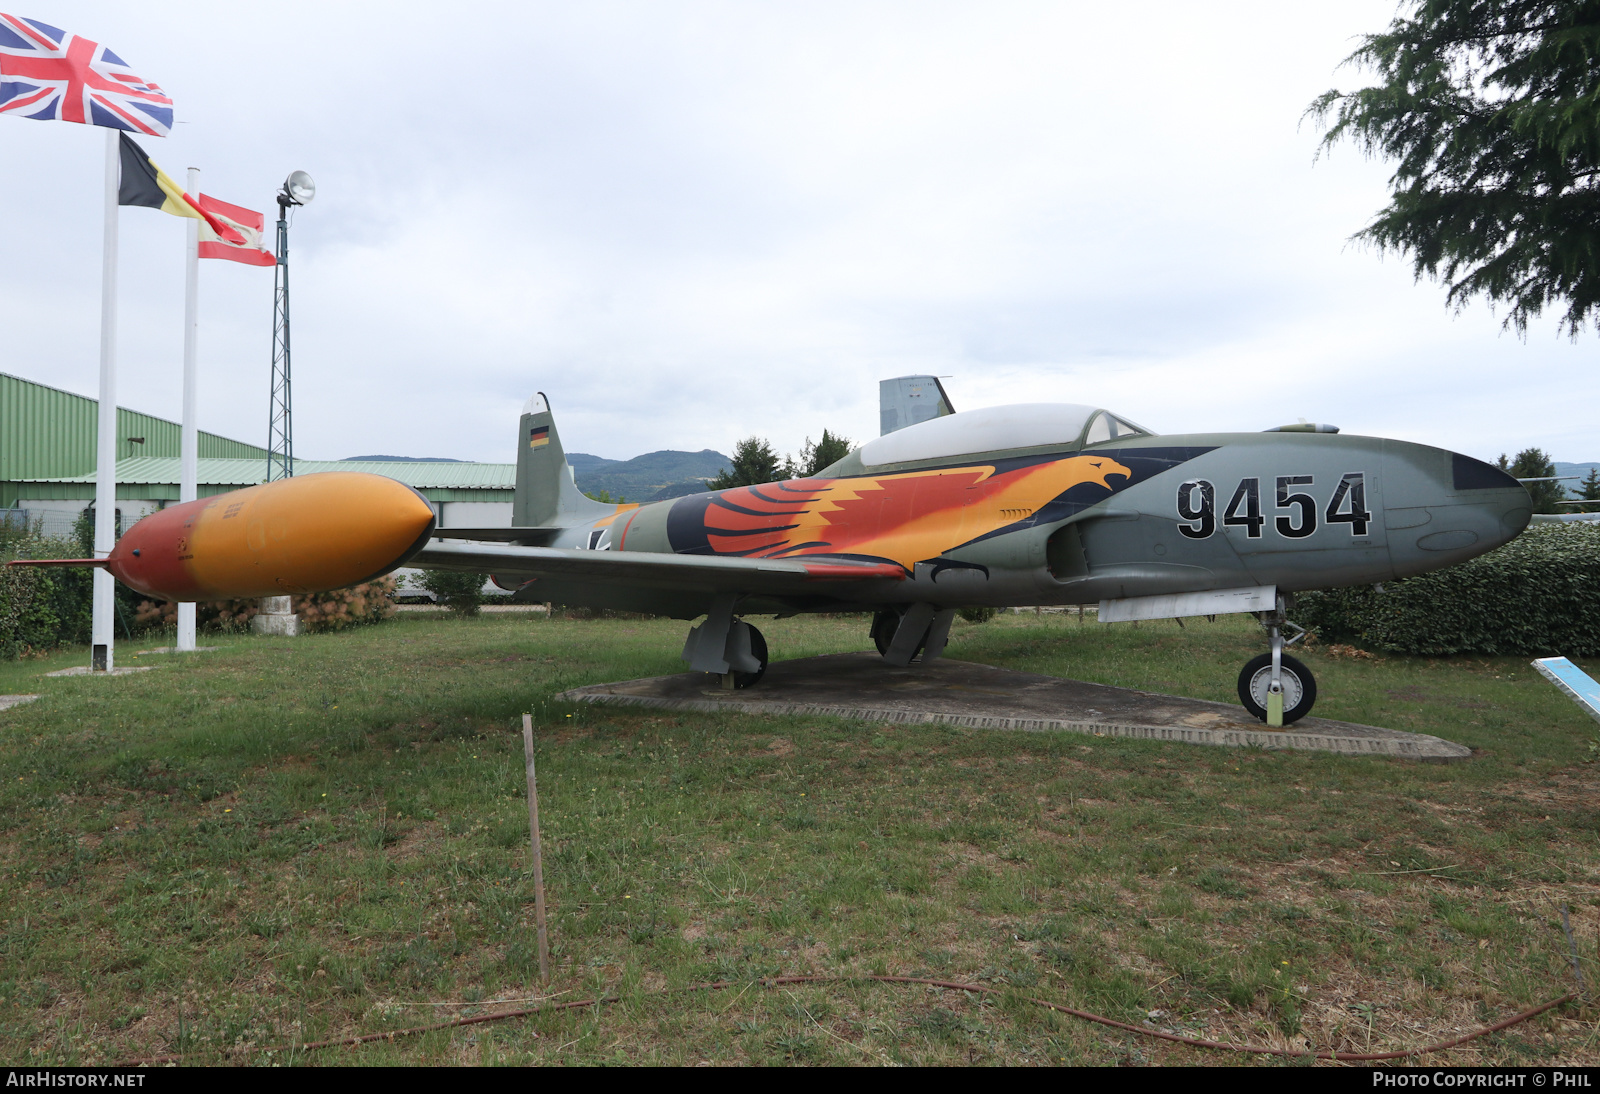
(1466, 509)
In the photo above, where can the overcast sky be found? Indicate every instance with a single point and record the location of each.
(691, 222)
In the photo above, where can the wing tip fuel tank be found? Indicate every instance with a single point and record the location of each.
(306, 534)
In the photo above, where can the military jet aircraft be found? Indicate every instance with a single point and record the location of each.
(1037, 504)
(1008, 505)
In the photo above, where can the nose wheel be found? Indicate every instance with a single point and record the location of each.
(1297, 689)
(1275, 687)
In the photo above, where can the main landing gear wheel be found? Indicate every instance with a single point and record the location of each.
(1299, 687)
(758, 648)
(884, 624)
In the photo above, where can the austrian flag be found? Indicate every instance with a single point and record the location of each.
(246, 222)
(48, 74)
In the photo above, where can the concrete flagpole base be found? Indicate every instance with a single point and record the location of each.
(186, 628)
(276, 617)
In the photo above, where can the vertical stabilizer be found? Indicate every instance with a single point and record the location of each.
(907, 400)
(546, 494)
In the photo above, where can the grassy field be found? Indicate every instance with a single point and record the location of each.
(289, 839)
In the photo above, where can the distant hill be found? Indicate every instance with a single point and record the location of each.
(655, 476)
(678, 490)
(399, 459)
(582, 461)
(651, 477)
(1573, 469)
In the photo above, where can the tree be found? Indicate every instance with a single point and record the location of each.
(462, 592)
(1532, 463)
(817, 457)
(753, 463)
(1589, 490)
(1489, 109)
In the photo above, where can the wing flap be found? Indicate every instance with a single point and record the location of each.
(647, 569)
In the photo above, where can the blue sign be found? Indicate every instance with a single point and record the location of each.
(1580, 687)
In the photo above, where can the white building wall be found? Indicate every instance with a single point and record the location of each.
(474, 514)
(55, 516)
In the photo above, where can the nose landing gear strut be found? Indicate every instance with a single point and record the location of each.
(1274, 687)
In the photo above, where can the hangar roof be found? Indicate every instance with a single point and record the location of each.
(230, 472)
(156, 478)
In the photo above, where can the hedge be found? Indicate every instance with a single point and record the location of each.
(41, 608)
(1537, 596)
(371, 602)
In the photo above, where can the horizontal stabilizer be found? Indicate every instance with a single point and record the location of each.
(529, 537)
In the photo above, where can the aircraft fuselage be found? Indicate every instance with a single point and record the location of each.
(1134, 517)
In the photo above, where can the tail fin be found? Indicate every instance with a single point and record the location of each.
(547, 494)
(907, 400)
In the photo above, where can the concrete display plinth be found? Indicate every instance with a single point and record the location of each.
(864, 686)
(275, 617)
(85, 670)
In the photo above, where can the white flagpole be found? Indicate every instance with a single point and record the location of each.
(188, 489)
(102, 630)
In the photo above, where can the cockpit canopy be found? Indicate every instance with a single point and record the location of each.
(997, 428)
(1106, 426)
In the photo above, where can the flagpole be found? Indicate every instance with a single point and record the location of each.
(188, 488)
(102, 632)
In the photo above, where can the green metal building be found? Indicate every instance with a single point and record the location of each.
(48, 434)
(47, 464)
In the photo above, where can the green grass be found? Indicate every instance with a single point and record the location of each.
(294, 839)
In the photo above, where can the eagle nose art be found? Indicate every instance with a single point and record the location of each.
(1456, 509)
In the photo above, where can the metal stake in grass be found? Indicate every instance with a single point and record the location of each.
(538, 853)
(1572, 949)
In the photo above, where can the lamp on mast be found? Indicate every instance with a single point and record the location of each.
(298, 189)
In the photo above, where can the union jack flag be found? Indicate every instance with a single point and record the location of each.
(50, 75)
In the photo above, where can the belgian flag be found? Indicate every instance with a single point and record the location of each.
(143, 183)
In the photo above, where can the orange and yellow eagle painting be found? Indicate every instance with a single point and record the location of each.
(903, 518)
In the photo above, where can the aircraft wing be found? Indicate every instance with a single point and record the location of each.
(679, 573)
(1563, 518)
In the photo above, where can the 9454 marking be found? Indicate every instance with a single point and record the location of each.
(1297, 510)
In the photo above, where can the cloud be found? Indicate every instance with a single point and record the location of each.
(690, 223)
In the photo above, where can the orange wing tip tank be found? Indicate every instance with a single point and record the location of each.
(300, 535)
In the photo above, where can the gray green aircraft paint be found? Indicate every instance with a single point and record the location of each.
(1281, 511)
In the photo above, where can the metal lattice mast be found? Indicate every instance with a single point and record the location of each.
(280, 423)
(297, 190)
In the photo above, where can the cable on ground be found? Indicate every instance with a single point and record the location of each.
(826, 978)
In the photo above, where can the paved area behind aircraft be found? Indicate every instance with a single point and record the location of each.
(861, 685)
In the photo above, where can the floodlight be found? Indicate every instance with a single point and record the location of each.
(299, 187)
